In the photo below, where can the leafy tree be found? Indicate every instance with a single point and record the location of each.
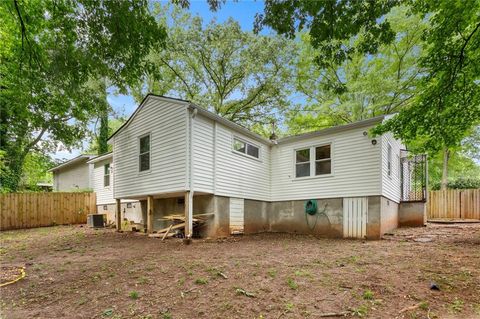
(113, 125)
(236, 74)
(50, 53)
(35, 170)
(363, 86)
(448, 105)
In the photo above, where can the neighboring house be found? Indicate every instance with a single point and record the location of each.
(103, 186)
(92, 172)
(176, 157)
(73, 175)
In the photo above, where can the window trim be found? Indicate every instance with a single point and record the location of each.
(105, 175)
(149, 153)
(389, 160)
(234, 137)
(313, 161)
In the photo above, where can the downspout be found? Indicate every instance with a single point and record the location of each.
(191, 170)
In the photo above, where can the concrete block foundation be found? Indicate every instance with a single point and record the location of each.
(412, 214)
(384, 215)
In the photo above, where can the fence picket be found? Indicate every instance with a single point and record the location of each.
(454, 204)
(27, 210)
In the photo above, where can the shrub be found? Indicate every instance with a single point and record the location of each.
(459, 183)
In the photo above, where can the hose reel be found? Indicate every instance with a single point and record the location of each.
(311, 208)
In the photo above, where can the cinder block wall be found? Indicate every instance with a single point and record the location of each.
(412, 214)
(290, 217)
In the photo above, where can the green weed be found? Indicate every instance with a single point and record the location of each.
(367, 295)
(201, 281)
(292, 284)
(133, 295)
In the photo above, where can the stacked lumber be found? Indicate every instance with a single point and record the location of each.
(176, 229)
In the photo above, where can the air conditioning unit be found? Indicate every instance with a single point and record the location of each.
(95, 220)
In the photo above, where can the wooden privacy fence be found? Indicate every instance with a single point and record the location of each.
(454, 204)
(28, 210)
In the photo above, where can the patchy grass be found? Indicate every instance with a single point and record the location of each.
(104, 274)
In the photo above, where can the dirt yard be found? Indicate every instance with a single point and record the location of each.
(76, 272)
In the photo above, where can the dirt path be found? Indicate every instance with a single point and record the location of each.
(75, 272)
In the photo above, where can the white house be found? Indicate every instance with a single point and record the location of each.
(88, 172)
(174, 156)
(73, 175)
(102, 183)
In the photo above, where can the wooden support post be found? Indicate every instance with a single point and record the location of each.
(118, 214)
(188, 216)
(149, 214)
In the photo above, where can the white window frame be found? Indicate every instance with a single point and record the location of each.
(389, 160)
(105, 175)
(149, 153)
(246, 148)
(313, 161)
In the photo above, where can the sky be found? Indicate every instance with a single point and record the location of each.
(242, 11)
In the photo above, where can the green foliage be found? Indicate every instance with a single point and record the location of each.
(113, 125)
(292, 284)
(133, 295)
(448, 105)
(201, 281)
(331, 22)
(234, 73)
(35, 171)
(459, 183)
(50, 53)
(363, 86)
(368, 295)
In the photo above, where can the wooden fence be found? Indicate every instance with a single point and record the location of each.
(454, 204)
(27, 210)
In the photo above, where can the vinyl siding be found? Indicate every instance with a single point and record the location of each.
(238, 175)
(167, 124)
(104, 194)
(356, 168)
(203, 154)
(391, 184)
(72, 178)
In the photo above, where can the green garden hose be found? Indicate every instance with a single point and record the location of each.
(311, 209)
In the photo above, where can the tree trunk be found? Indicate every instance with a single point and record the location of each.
(103, 133)
(446, 157)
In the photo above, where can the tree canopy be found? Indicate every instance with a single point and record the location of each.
(242, 76)
(50, 53)
(363, 86)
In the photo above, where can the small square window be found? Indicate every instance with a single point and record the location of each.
(129, 205)
(322, 152)
(323, 167)
(303, 156)
(239, 146)
(302, 170)
(105, 207)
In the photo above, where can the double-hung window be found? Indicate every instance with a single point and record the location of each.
(106, 175)
(246, 148)
(144, 154)
(323, 160)
(313, 161)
